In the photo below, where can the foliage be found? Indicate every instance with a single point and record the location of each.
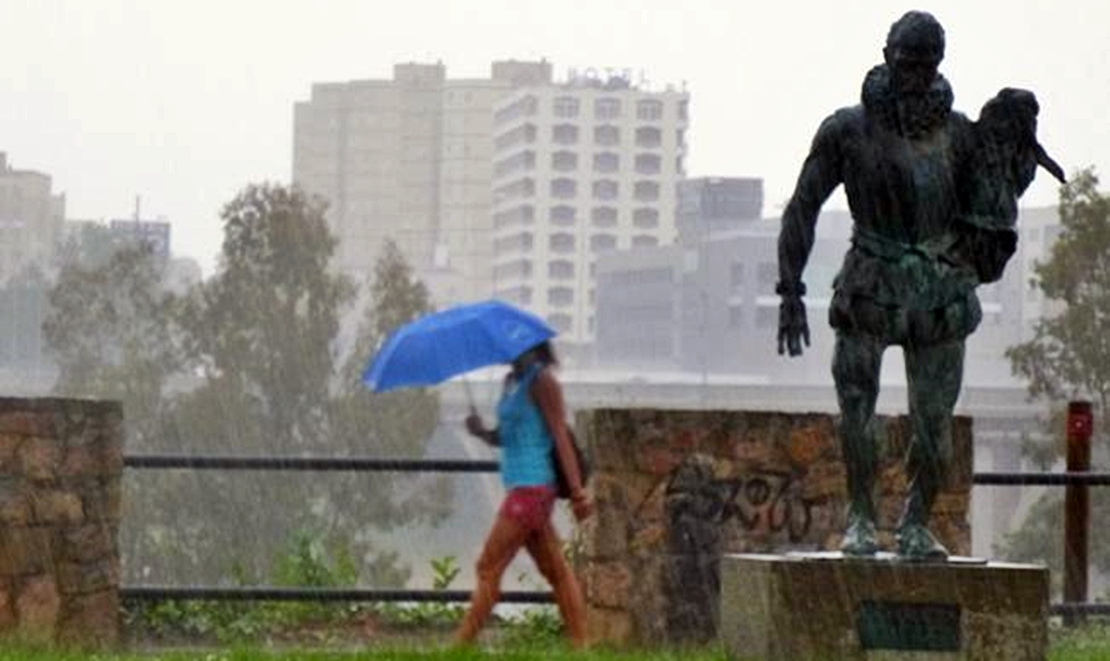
(1068, 357)
(252, 361)
(111, 331)
(1069, 354)
(304, 562)
(444, 572)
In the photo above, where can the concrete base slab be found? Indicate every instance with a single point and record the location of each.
(827, 606)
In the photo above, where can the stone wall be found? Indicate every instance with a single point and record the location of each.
(676, 489)
(60, 467)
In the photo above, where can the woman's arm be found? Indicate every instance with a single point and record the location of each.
(477, 428)
(548, 396)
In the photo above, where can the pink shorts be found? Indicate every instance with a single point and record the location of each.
(531, 507)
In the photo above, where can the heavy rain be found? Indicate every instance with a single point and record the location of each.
(789, 316)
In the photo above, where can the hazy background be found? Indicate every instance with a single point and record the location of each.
(183, 103)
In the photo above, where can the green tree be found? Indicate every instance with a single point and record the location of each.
(263, 330)
(390, 424)
(1068, 356)
(264, 334)
(110, 329)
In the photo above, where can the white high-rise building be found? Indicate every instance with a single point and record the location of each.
(409, 159)
(580, 169)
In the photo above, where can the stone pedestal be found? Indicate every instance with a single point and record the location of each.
(824, 606)
(675, 490)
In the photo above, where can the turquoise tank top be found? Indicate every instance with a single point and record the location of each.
(525, 439)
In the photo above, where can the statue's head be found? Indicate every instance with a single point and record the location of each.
(913, 51)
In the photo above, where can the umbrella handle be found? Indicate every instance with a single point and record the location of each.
(469, 395)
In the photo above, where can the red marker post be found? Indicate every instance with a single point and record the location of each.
(1077, 507)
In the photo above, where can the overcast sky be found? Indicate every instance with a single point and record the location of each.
(183, 103)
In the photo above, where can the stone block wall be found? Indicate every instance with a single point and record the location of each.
(60, 467)
(676, 489)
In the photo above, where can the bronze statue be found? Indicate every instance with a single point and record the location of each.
(933, 197)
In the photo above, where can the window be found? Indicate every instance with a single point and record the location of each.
(562, 215)
(603, 242)
(649, 137)
(561, 242)
(646, 191)
(649, 109)
(606, 161)
(563, 188)
(520, 135)
(564, 161)
(603, 216)
(564, 134)
(767, 317)
(523, 107)
(520, 268)
(560, 322)
(648, 163)
(519, 295)
(525, 160)
(768, 275)
(683, 109)
(513, 243)
(565, 106)
(605, 189)
(607, 108)
(515, 190)
(560, 296)
(680, 138)
(607, 135)
(560, 269)
(522, 215)
(736, 276)
(645, 218)
(735, 316)
(644, 241)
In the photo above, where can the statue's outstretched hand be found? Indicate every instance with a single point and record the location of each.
(793, 327)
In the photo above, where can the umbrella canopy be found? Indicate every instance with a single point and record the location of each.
(444, 344)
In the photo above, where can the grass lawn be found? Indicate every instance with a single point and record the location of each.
(1091, 643)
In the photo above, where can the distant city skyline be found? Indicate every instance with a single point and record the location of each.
(184, 105)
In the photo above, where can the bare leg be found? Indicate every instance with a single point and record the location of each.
(933, 376)
(857, 360)
(504, 540)
(546, 549)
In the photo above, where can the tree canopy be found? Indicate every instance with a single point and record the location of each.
(252, 361)
(1068, 357)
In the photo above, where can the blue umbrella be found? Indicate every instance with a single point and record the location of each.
(454, 341)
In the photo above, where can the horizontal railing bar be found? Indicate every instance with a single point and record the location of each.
(256, 593)
(1079, 608)
(1041, 479)
(199, 462)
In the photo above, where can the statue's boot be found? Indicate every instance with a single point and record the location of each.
(859, 538)
(915, 542)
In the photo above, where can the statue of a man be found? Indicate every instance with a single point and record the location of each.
(917, 181)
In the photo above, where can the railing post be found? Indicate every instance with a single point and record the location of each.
(1077, 508)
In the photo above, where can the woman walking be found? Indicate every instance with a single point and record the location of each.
(531, 420)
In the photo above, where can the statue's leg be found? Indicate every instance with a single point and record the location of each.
(933, 377)
(856, 363)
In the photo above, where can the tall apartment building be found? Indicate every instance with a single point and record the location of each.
(409, 158)
(31, 218)
(580, 169)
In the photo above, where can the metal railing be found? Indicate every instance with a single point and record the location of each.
(357, 464)
(1077, 522)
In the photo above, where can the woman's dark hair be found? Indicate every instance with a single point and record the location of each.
(545, 352)
(542, 352)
